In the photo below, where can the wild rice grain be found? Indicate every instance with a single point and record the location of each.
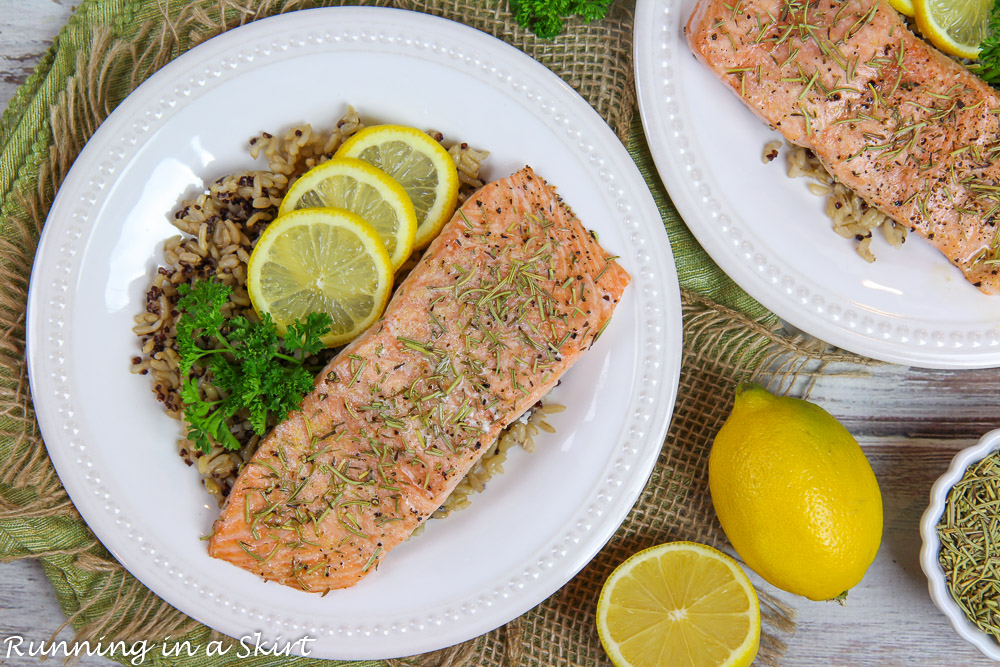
(770, 151)
(851, 215)
(229, 262)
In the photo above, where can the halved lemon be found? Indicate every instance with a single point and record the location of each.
(679, 603)
(957, 27)
(418, 163)
(322, 260)
(362, 189)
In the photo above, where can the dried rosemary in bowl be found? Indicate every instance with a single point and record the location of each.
(970, 544)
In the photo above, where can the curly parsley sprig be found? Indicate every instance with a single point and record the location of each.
(988, 66)
(545, 17)
(254, 367)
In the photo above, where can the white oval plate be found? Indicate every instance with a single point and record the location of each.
(769, 233)
(113, 446)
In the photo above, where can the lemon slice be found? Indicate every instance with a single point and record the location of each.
(322, 260)
(957, 27)
(418, 163)
(902, 6)
(679, 603)
(362, 189)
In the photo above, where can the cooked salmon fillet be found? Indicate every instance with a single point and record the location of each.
(911, 131)
(501, 304)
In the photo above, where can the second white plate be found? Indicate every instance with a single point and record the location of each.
(770, 235)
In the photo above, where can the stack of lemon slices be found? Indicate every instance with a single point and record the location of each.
(347, 225)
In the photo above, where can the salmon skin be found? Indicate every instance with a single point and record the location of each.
(501, 304)
(911, 131)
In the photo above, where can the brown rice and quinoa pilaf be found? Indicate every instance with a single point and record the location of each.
(218, 231)
(852, 216)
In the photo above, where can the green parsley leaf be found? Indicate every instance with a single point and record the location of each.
(201, 315)
(988, 65)
(305, 336)
(250, 363)
(205, 422)
(545, 17)
(203, 304)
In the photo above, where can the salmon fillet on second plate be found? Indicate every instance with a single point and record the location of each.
(910, 130)
(501, 304)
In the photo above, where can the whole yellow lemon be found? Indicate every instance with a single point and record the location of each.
(795, 494)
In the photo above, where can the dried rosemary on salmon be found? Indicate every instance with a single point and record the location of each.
(508, 296)
(906, 128)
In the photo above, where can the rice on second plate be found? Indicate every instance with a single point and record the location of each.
(218, 231)
(852, 216)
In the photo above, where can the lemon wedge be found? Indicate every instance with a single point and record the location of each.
(418, 163)
(362, 189)
(957, 27)
(323, 260)
(679, 603)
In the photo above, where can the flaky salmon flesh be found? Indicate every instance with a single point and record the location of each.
(501, 304)
(911, 131)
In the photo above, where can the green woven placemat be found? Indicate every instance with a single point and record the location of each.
(108, 48)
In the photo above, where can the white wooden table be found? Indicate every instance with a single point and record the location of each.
(909, 421)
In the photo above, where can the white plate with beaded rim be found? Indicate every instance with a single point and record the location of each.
(769, 233)
(534, 527)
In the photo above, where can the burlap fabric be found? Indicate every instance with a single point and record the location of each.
(106, 50)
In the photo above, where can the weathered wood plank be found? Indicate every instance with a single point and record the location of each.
(26, 31)
(890, 400)
(29, 609)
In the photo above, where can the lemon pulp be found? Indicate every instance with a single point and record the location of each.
(419, 164)
(957, 27)
(364, 190)
(679, 603)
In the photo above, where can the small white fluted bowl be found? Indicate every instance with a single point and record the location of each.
(968, 630)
